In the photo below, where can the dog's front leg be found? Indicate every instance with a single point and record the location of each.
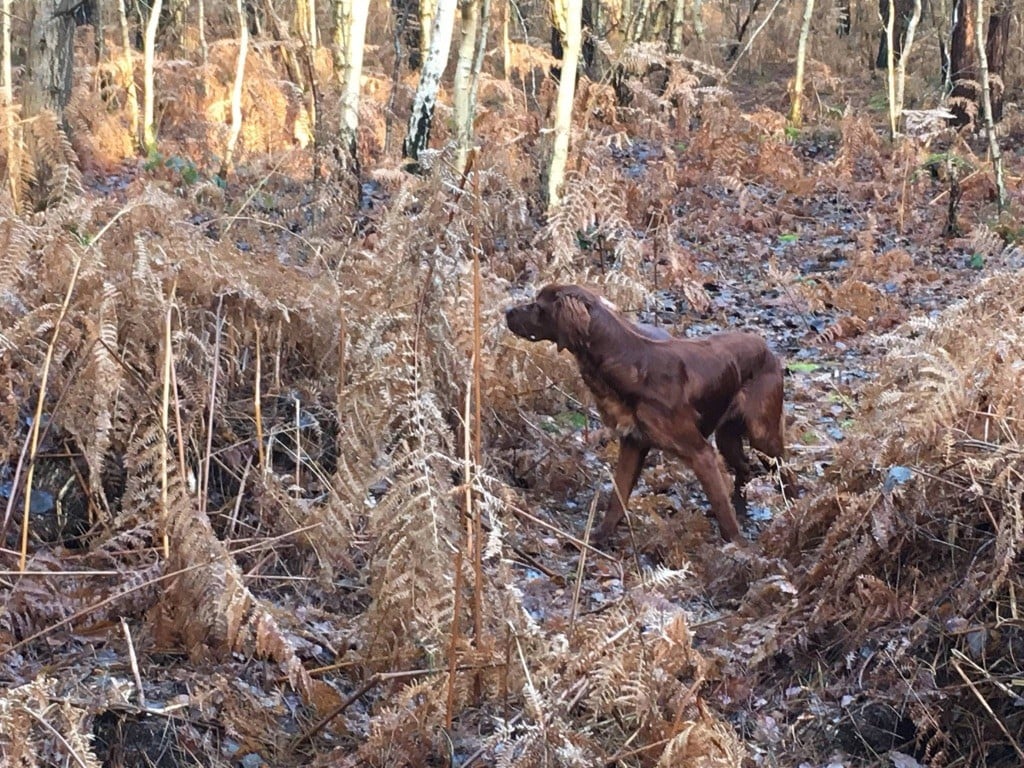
(632, 452)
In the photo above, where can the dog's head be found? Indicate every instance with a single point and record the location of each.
(560, 313)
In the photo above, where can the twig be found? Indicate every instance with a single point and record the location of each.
(373, 681)
(134, 661)
(987, 708)
(580, 566)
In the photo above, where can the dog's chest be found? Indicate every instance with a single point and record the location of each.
(616, 413)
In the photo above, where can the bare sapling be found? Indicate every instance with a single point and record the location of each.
(149, 53)
(796, 97)
(896, 108)
(236, 91)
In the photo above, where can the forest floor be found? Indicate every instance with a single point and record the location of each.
(303, 614)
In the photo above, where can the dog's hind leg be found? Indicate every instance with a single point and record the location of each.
(729, 439)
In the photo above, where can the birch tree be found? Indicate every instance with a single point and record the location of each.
(986, 108)
(433, 68)
(467, 72)
(570, 13)
(353, 16)
(427, 14)
(148, 54)
(796, 98)
(900, 75)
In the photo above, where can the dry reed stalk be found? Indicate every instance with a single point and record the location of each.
(34, 431)
(165, 406)
(573, 611)
(454, 643)
(476, 427)
(257, 405)
(204, 483)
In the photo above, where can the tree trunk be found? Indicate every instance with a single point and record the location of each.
(422, 115)
(698, 19)
(900, 19)
(465, 77)
(50, 57)
(305, 21)
(986, 108)
(356, 14)
(341, 21)
(204, 49)
(964, 101)
(904, 54)
(236, 91)
(796, 103)
(428, 12)
(996, 46)
(844, 19)
(149, 52)
(129, 68)
(13, 148)
(675, 43)
(572, 12)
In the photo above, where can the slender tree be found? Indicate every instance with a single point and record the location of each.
(236, 91)
(900, 77)
(129, 70)
(675, 41)
(467, 72)
(354, 22)
(13, 150)
(796, 97)
(433, 68)
(572, 12)
(986, 107)
(149, 54)
(204, 49)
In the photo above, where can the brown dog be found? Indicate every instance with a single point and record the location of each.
(657, 391)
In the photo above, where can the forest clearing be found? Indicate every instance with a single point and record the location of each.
(282, 488)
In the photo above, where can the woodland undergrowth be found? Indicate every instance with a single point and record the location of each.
(259, 429)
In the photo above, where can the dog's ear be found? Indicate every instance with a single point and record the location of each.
(572, 319)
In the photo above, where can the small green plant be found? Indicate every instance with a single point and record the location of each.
(154, 160)
(184, 167)
(810, 438)
(801, 366)
(572, 419)
(789, 237)
(792, 132)
(938, 164)
(977, 261)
